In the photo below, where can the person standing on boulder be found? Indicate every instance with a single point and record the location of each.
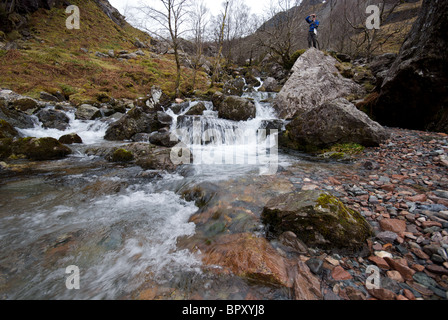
(312, 34)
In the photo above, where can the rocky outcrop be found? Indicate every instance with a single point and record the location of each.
(413, 94)
(234, 108)
(334, 122)
(34, 149)
(134, 122)
(6, 130)
(15, 117)
(318, 219)
(315, 80)
(53, 119)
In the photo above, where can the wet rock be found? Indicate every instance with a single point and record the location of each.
(234, 87)
(40, 149)
(248, 256)
(315, 265)
(236, 109)
(196, 110)
(314, 81)
(14, 117)
(162, 139)
(290, 239)
(164, 118)
(318, 219)
(53, 119)
(49, 97)
(87, 112)
(7, 130)
(306, 285)
(25, 104)
(135, 121)
(157, 160)
(334, 122)
(122, 155)
(270, 85)
(70, 139)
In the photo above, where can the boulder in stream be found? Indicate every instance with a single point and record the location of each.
(39, 149)
(234, 108)
(87, 112)
(135, 121)
(53, 119)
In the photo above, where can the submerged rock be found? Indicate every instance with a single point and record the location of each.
(318, 219)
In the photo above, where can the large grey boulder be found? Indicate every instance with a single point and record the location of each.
(335, 122)
(318, 219)
(315, 80)
(414, 92)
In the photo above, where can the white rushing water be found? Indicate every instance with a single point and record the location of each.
(91, 132)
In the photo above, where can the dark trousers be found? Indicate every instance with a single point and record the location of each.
(312, 40)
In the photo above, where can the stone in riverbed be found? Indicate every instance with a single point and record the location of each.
(53, 119)
(318, 219)
(40, 149)
(234, 108)
(7, 130)
(70, 139)
(87, 112)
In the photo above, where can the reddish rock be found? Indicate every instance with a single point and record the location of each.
(340, 274)
(405, 271)
(418, 267)
(248, 256)
(408, 294)
(380, 262)
(306, 284)
(429, 224)
(419, 253)
(394, 225)
(395, 275)
(418, 198)
(437, 269)
(388, 187)
(382, 294)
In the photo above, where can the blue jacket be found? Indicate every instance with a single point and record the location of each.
(313, 25)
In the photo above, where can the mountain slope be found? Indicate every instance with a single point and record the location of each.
(44, 55)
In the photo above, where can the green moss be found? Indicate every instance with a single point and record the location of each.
(122, 155)
(5, 148)
(7, 130)
(40, 149)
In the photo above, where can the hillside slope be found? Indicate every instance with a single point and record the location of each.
(39, 53)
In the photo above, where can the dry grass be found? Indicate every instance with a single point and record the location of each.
(54, 62)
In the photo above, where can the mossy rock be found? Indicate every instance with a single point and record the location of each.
(122, 155)
(318, 219)
(25, 104)
(40, 149)
(7, 130)
(5, 148)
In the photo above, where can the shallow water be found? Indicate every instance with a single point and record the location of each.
(130, 233)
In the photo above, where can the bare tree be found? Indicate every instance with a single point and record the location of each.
(170, 16)
(223, 20)
(199, 22)
(278, 36)
(366, 40)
